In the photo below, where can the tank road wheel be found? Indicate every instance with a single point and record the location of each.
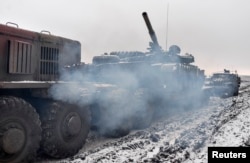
(112, 114)
(144, 111)
(107, 122)
(65, 129)
(20, 131)
(143, 118)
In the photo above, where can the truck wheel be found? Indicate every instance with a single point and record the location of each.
(20, 130)
(65, 129)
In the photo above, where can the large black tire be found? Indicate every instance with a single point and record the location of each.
(20, 130)
(65, 129)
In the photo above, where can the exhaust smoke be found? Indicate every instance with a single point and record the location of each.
(124, 90)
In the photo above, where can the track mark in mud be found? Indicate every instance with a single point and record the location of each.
(231, 127)
(194, 140)
(230, 112)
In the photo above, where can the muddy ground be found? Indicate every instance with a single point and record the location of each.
(179, 136)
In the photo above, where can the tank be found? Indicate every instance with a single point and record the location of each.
(223, 84)
(154, 68)
(162, 78)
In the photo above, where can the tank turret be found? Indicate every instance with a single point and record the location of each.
(156, 61)
(155, 54)
(155, 78)
(172, 55)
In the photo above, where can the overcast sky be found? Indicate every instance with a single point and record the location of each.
(216, 32)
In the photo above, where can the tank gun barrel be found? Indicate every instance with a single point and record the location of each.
(150, 29)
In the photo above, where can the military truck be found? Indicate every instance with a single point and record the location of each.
(223, 84)
(30, 63)
(157, 78)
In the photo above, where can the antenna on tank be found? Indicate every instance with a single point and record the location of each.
(167, 28)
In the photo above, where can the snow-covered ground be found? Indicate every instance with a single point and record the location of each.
(180, 136)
